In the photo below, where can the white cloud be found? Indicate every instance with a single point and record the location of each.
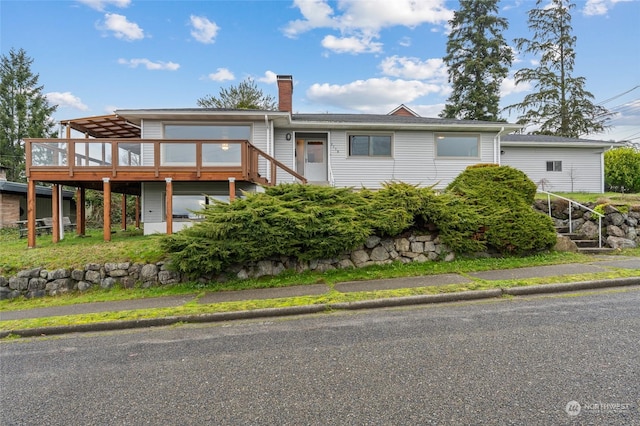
(509, 87)
(627, 113)
(101, 4)
(221, 74)
(414, 68)
(270, 77)
(375, 95)
(203, 30)
(353, 45)
(109, 109)
(405, 42)
(359, 21)
(428, 110)
(316, 13)
(150, 65)
(599, 7)
(66, 99)
(121, 27)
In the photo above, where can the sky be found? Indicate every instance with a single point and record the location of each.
(346, 56)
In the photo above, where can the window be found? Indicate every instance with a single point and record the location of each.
(209, 131)
(370, 145)
(213, 154)
(186, 207)
(554, 166)
(457, 145)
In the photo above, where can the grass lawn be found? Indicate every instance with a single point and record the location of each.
(608, 197)
(75, 252)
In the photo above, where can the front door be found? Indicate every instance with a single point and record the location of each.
(314, 156)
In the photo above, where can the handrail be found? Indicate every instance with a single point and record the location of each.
(600, 215)
(66, 157)
(275, 163)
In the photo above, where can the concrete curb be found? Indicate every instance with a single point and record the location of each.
(581, 285)
(312, 309)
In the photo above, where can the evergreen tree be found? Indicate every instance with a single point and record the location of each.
(244, 96)
(478, 59)
(560, 104)
(24, 111)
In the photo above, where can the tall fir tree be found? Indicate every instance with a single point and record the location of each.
(478, 59)
(245, 95)
(559, 105)
(24, 111)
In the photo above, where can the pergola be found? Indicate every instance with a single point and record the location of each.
(98, 127)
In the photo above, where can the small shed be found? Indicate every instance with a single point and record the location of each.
(13, 202)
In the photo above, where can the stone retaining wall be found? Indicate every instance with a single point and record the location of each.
(38, 282)
(620, 229)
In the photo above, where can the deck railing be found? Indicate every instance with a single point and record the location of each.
(153, 156)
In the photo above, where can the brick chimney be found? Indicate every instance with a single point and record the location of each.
(285, 93)
(3, 173)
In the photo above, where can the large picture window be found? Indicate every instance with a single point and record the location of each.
(370, 145)
(457, 145)
(213, 154)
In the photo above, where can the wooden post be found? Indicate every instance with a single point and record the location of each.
(80, 211)
(55, 213)
(31, 213)
(232, 189)
(137, 212)
(169, 206)
(124, 212)
(106, 229)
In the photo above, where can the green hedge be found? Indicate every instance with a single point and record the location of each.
(484, 207)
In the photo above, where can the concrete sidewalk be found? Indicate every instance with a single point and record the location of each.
(599, 264)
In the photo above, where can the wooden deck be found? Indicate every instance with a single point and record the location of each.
(133, 161)
(122, 164)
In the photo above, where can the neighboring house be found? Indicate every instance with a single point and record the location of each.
(176, 158)
(13, 202)
(557, 164)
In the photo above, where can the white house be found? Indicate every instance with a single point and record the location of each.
(557, 164)
(175, 159)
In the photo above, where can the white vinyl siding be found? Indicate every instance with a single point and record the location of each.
(413, 161)
(581, 167)
(284, 152)
(150, 130)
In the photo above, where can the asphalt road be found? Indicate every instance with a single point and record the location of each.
(519, 361)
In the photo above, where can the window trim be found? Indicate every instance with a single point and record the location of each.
(391, 136)
(554, 166)
(442, 135)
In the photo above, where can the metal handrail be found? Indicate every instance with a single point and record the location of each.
(600, 215)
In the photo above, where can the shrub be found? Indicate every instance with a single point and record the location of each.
(622, 169)
(502, 197)
(302, 221)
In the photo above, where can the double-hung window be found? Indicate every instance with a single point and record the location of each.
(370, 145)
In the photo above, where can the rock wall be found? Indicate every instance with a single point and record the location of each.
(621, 228)
(39, 282)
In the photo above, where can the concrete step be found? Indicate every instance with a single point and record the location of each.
(595, 250)
(586, 243)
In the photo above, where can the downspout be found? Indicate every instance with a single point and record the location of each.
(269, 140)
(496, 147)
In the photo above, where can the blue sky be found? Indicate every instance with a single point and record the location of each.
(94, 56)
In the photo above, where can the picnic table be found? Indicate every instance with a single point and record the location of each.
(43, 226)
